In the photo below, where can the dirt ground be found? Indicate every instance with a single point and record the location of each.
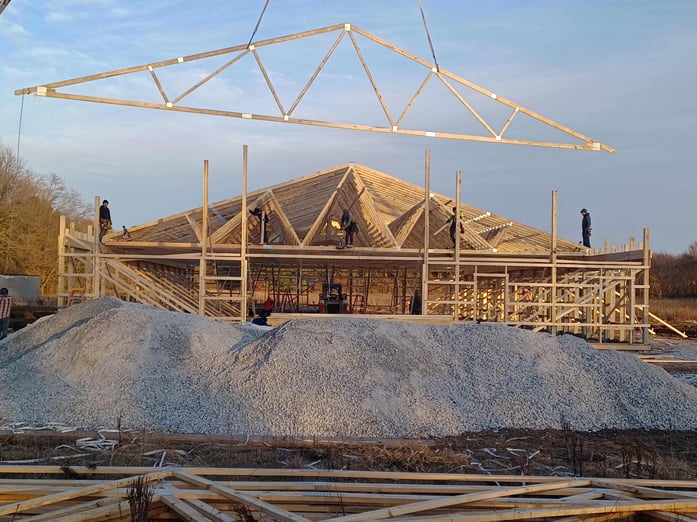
(609, 453)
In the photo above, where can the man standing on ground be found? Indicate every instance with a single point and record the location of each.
(586, 228)
(5, 307)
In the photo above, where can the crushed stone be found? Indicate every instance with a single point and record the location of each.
(107, 362)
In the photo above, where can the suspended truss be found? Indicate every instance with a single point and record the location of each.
(393, 124)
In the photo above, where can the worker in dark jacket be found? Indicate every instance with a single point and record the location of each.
(453, 225)
(586, 228)
(104, 219)
(350, 228)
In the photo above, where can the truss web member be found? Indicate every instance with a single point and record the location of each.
(586, 228)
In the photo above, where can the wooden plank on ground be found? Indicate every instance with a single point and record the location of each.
(243, 498)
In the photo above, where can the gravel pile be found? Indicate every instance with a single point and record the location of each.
(105, 363)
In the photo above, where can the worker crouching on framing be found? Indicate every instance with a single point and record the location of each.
(265, 312)
(263, 223)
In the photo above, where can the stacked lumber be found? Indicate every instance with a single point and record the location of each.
(221, 494)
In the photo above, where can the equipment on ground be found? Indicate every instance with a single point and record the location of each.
(332, 300)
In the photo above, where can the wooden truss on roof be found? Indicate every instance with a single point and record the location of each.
(288, 111)
(304, 214)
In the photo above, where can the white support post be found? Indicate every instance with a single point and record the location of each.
(458, 197)
(553, 260)
(243, 239)
(427, 227)
(96, 249)
(204, 240)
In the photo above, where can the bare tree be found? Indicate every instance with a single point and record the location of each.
(30, 210)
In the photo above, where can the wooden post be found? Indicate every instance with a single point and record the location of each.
(204, 239)
(96, 248)
(458, 196)
(71, 264)
(425, 273)
(553, 260)
(61, 263)
(243, 241)
(646, 285)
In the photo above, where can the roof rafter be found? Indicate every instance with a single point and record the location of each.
(392, 127)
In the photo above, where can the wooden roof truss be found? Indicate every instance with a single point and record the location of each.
(306, 213)
(457, 86)
(301, 495)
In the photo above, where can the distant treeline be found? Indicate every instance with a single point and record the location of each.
(30, 208)
(674, 275)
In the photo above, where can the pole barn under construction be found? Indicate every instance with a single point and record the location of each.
(224, 259)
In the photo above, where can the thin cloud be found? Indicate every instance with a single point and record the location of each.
(12, 31)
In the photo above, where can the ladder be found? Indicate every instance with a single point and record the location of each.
(75, 296)
(288, 302)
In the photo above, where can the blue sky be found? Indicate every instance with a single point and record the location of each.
(622, 72)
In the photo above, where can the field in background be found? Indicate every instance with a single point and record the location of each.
(679, 312)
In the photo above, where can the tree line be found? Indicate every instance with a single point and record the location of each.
(674, 275)
(30, 208)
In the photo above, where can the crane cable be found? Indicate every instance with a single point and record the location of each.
(258, 23)
(428, 35)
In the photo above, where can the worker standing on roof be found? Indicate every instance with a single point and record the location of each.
(586, 228)
(350, 228)
(104, 219)
(453, 225)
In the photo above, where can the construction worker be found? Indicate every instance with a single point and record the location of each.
(104, 219)
(453, 225)
(263, 223)
(586, 228)
(5, 309)
(350, 228)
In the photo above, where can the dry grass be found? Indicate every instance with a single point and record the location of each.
(609, 453)
(681, 310)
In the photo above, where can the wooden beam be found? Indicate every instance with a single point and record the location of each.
(21, 507)
(184, 510)
(195, 227)
(458, 500)
(590, 146)
(243, 498)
